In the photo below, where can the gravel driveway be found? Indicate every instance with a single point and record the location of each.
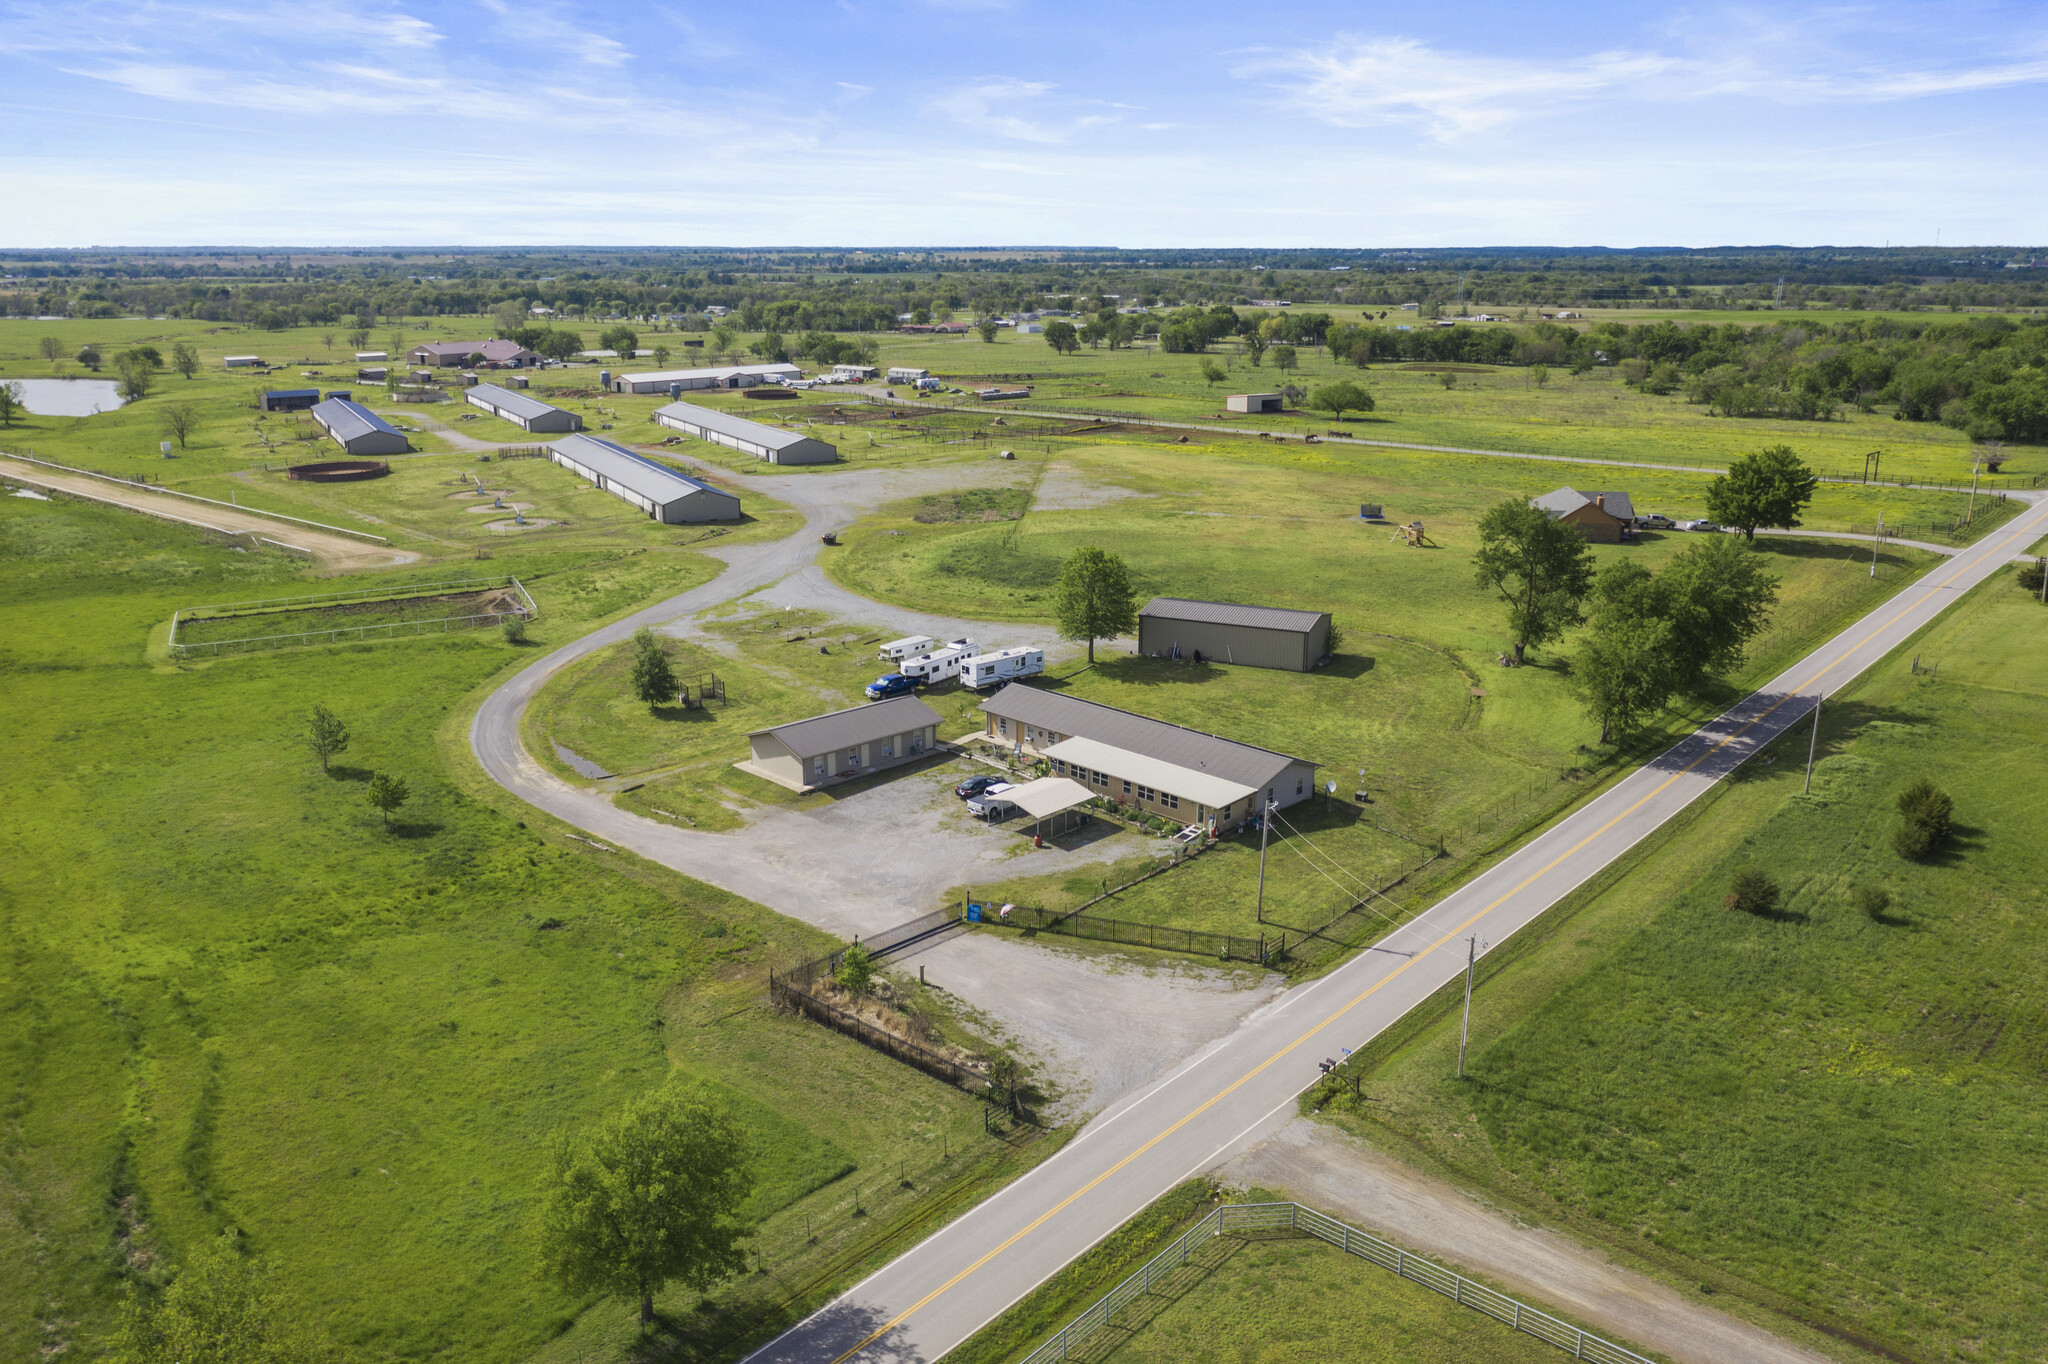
(1095, 1024)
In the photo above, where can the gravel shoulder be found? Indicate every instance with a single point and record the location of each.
(334, 553)
(1325, 1168)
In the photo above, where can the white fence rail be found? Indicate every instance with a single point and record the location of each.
(1251, 1218)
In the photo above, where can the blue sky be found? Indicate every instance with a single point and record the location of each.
(949, 122)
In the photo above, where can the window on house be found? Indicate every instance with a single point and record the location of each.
(852, 758)
(1059, 766)
(1127, 788)
(1003, 728)
(1297, 786)
(1170, 802)
(1146, 792)
(1102, 779)
(818, 764)
(888, 748)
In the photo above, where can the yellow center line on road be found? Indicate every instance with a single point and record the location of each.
(1928, 591)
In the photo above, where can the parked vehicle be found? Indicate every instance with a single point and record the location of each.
(974, 786)
(1004, 665)
(891, 684)
(930, 386)
(896, 650)
(1698, 525)
(1655, 521)
(990, 801)
(940, 664)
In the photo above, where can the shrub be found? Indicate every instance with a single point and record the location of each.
(1873, 901)
(2029, 577)
(514, 629)
(1753, 892)
(856, 973)
(1927, 818)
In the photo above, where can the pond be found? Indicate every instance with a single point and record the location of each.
(67, 397)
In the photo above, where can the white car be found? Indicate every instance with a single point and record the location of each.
(1698, 525)
(991, 800)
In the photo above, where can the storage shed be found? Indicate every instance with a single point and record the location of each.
(724, 376)
(530, 413)
(1225, 632)
(665, 494)
(804, 755)
(770, 443)
(1603, 517)
(358, 430)
(1252, 402)
(288, 399)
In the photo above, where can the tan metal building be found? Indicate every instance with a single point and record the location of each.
(1252, 402)
(1162, 769)
(1224, 632)
(804, 755)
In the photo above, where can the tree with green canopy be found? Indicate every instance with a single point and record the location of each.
(1093, 599)
(650, 1198)
(1541, 568)
(1769, 488)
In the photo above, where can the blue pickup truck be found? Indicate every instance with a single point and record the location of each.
(891, 684)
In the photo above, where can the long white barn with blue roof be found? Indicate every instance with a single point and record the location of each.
(666, 495)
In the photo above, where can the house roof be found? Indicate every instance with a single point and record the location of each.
(725, 423)
(856, 725)
(291, 392)
(511, 400)
(1244, 764)
(664, 376)
(345, 420)
(1048, 796)
(1185, 782)
(1565, 501)
(1230, 613)
(498, 348)
(635, 471)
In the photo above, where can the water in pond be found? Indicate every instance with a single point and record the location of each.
(67, 397)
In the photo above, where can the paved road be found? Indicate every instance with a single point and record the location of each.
(1243, 1089)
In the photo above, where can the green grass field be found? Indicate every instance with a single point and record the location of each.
(1262, 1299)
(1834, 1116)
(1271, 525)
(234, 1000)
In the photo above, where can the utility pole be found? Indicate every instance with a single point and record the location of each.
(1812, 742)
(1976, 464)
(1875, 543)
(1471, 956)
(1265, 827)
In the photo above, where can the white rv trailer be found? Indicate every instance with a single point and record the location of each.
(1004, 665)
(940, 664)
(897, 650)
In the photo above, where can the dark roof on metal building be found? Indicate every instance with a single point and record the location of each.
(1230, 613)
(1245, 764)
(291, 392)
(856, 725)
(346, 420)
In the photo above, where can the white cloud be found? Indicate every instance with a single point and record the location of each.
(1362, 82)
(1401, 80)
(994, 106)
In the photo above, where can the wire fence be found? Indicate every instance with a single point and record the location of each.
(1292, 1218)
(795, 990)
(522, 609)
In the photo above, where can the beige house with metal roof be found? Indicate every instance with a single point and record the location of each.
(1162, 769)
(804, 755)
(1225, 632)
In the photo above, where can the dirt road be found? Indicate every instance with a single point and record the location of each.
(1322, 1167)
(333, 553)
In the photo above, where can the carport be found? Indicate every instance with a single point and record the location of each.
(1051, 798)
